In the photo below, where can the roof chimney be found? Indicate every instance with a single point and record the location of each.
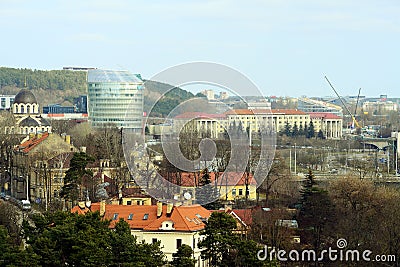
(159, 209)
(169, 208)
(81, 204)
(102, 208)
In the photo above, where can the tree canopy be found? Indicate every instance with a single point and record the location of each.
(63, 238)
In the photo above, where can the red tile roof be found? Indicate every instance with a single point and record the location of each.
(265, 111)
(189, 179)
(32, 142)
(64, 158)
(288, 111)
(200, 115)
(184, 218)
(245, 215)
(324, 115)
(240, 112)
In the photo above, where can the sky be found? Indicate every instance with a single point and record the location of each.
(285, 47)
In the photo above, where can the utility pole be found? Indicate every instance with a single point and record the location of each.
(295, 159)
(388, 161)
(27, 187)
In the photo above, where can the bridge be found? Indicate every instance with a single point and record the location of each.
(381, 143)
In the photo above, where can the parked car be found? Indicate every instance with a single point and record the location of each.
(25, 204)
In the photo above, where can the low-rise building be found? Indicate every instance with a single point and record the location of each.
(312, 105)
(330, 124)
(229, 185)
(257, 120)
(170, 225)
(6, 101)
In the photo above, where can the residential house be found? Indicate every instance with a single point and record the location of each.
(171, 225)
(229, 185)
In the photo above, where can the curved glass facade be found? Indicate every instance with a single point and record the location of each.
(110, 94)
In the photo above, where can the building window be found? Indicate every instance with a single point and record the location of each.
(115, 216)
(154, 240)
(240, 192)
(146, 216)
(178, 243)
(130, 216)
(234, 192)
(129, 202)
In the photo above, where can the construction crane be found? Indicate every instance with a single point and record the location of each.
(355, 122)
(355, 109)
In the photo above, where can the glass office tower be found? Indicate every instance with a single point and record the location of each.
(115, 98)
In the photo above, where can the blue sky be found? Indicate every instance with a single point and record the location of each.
(285, 47)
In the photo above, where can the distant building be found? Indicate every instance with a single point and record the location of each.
(58, 109)
(6, 101)
(256, 120)
(115, 98)
(77, 111)
(379, 107)
(210, 125)
(330, 124)
(81, 104)
(259, 105)
(209, 94)
(229, 185)
(78, 68)
(30, 161)
(28, 119)
(292, 117)
(311, 105)
(223, 95)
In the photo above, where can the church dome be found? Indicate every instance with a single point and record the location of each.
(29, 122)
(26, 97)
(44, 122)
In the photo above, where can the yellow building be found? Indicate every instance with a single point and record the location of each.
(205, 124)
(290, 116)
(330, 124)
(255, 120)
(229, 185)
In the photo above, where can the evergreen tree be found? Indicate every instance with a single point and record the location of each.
(305, 131)
(316, 213)
(219, 240)
(72, 189)
(301, 130)
(69, 239)
(288, 129)
(311, 130)
(183, 257)
(206, 191)
(321, 134)
(295, 130)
